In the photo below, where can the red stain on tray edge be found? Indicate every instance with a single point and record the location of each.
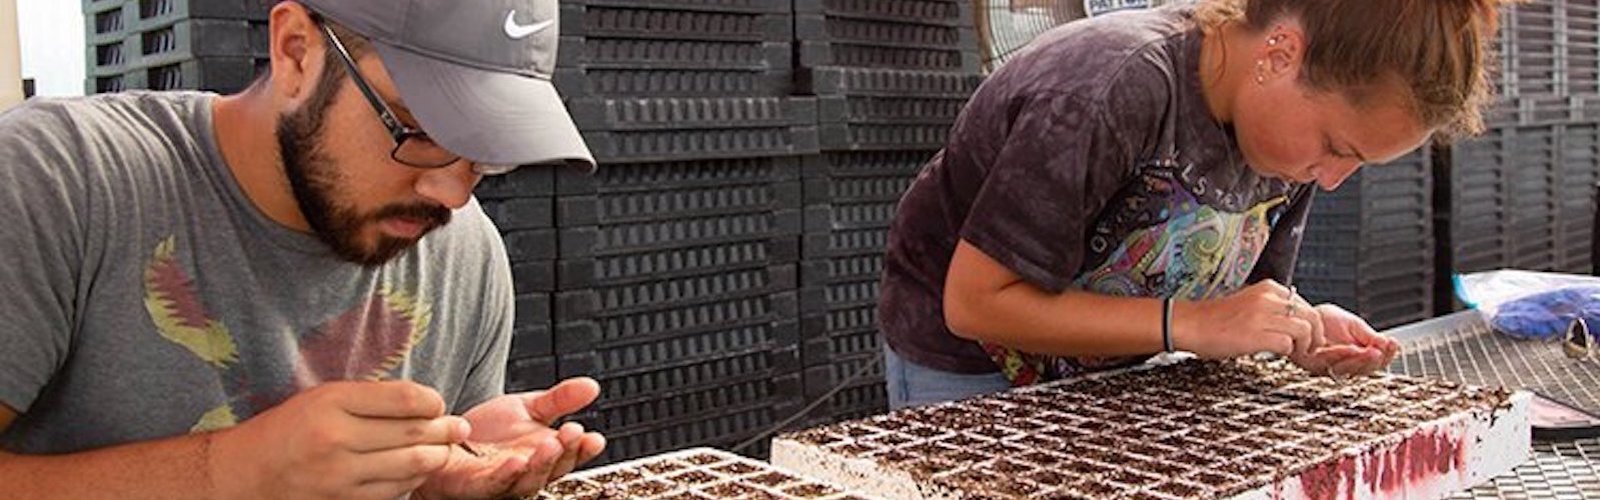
(1420, 457)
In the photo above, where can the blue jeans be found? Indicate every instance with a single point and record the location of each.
(911, 384)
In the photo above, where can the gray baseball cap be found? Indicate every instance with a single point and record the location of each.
(476, 73)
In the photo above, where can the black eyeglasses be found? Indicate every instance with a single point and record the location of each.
(412, 147)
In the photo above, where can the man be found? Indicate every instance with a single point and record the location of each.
(289, 292)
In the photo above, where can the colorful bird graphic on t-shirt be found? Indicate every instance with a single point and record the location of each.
(366, 342)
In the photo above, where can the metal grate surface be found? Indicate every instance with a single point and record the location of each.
(1461, 347)
(1558, 471)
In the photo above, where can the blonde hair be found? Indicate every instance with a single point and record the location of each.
(1437, 49)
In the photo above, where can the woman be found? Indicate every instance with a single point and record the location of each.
(1138, 183)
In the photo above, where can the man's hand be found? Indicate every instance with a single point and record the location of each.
(345, 440)
(518, 450)
(1353, 347)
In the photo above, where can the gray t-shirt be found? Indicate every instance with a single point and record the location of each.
(1090, 161)
(147, 297)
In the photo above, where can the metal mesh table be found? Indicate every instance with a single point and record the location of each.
(1558, 471)
(1461, 347)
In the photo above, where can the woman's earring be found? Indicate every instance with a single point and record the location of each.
(1261, 68)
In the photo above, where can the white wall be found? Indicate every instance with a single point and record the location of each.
(10, 68)
(52, 45)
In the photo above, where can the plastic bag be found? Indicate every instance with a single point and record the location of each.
(1529, 304)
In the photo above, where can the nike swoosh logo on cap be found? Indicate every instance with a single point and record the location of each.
(518, 31)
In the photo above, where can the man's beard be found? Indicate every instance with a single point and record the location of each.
(315, 181)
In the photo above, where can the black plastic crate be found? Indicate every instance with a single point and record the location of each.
(839, 294)
(655, 54)
(1388, 310)
(533, 341)
(511, 214)
(531, 245)
(624, 82)
(723, 430)
(1533, 197)
(530, 181)
(667, 178)
(619, 383)
(152, 13)
(843, 243)
(646, 236)
(1477, 213)
(838, 80)
(216, 74)
(881, 33)
(530, 374)
(96, 5)
(839, 333)
(749, 352)
(110, 58)
(679, 332)
(1585, 108)
(1480, 254)
(1535, 36)
(818, 272)
(867, 367)
(859, 401)
(1538, 110)
(884, 109)
(877, 136)
(845, 165)
(643, 146)
(650, 370)
(531, 328)
(935, 12)
(1400, 293)
(814, 54)
(658, 22)
(675, 262)
(1575, 253)
(759, 6)
(850, 217)
(690, 406)
(1533, 242)
(653, 294)
(1498, 50)
(850, 204)
(1376, 218)
(105, 83)
(1481, 202)
(1378, 204)
(676, 113)
(845, 188)
(1579, 172)
(1534, 150)
(108, 21)
(681, 202)
(1537, 255)
(1330, 259)
(1503, 112)
(1582, 48)
(197, 38)
(534, 276)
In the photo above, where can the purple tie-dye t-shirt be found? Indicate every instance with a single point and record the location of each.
(1090, 161)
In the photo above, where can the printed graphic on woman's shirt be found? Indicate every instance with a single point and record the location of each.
(1161, 241)
(366, 342)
